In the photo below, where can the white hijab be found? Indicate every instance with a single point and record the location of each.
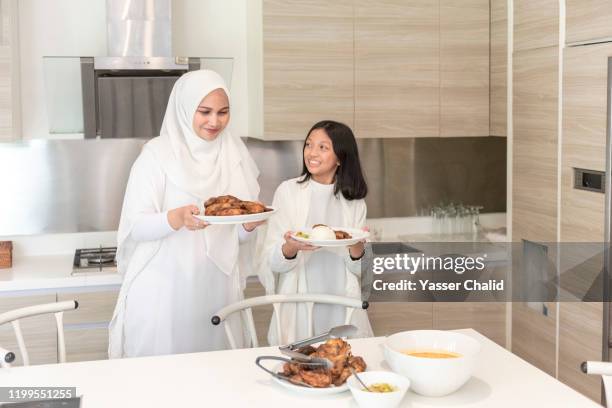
(202, 168)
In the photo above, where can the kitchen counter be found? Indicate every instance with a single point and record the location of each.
(231, 378)
(52, 272)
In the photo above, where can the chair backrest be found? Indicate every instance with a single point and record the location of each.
(13, 317)
(604, 369)
(245, 308)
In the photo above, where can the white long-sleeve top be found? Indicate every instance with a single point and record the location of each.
(329, 271)
(172, 287)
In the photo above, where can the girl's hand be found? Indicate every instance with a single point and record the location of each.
(291, 246)
(250, 226)
(357, 250)
(184, 217)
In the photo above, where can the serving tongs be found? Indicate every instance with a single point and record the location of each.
(334, 333)
(310, 362)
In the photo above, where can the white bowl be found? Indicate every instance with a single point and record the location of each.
(366, 399)
(432, 377)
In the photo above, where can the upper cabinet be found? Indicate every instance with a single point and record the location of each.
(307, 65)
(536, 24)
(397, 79)
(9, 103)
(388, 68)
(588, 20)
(499, 68)
(464, 67)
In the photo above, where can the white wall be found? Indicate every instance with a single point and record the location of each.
(201, 28)
(215, 28)
(53, 28)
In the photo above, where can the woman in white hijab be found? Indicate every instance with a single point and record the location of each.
(178, 271)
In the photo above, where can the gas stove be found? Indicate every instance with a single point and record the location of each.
(94, 260)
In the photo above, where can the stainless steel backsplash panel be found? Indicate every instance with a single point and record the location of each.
(406, 176)
(78, 185)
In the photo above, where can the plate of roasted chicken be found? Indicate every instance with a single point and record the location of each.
(310, 376)
(324, 236)
(228, 209)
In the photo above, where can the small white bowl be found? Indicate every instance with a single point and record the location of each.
(367, 399)
(429, 376)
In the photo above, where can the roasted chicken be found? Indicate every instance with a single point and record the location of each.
(338, 352)
(230, 205)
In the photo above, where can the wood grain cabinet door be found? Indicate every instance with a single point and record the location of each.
(307, 65)
(464, 68)
(587, 20)
(39, 332)
(397, 73)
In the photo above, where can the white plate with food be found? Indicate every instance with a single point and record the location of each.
(324, 236)
(228, 209)
(237, 219)
(300, 389)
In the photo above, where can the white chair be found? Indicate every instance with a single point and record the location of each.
(13, 317)
(244, 307)
(604, 369)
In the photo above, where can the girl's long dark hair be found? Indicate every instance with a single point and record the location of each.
(349, 178)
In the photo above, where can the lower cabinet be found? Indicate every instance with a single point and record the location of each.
(39, 332)
(85, 329)
(86, 344)
(488, 318)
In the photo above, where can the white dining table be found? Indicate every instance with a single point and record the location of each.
(231, 379)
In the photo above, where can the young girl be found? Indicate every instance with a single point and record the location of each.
(330, 191)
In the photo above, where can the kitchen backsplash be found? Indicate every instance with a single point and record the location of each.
(65, 186)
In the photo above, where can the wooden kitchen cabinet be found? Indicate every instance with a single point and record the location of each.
(536, 24)
(535, 121)
(397, 74)
(464, 67)
(307, 65)
(9, 87)
(534, 195)
(94, 307)
(499, 68)
(39, 332)
(587, 20)
(86, 344)
(487, 318)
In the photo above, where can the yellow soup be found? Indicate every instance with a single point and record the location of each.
(431, 353)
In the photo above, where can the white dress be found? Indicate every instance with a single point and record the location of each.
(170, 302)
(328, 271)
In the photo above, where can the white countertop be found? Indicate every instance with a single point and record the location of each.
(231, 379)
(50, 272)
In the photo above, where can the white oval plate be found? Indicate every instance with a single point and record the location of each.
(236, 219)
(356, 233)
(309, 391)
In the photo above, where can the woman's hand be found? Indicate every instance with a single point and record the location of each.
(250, 226)
(291, 246)
(184, 217)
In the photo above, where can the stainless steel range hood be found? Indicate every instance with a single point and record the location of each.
(126, 92)
(139, 36)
